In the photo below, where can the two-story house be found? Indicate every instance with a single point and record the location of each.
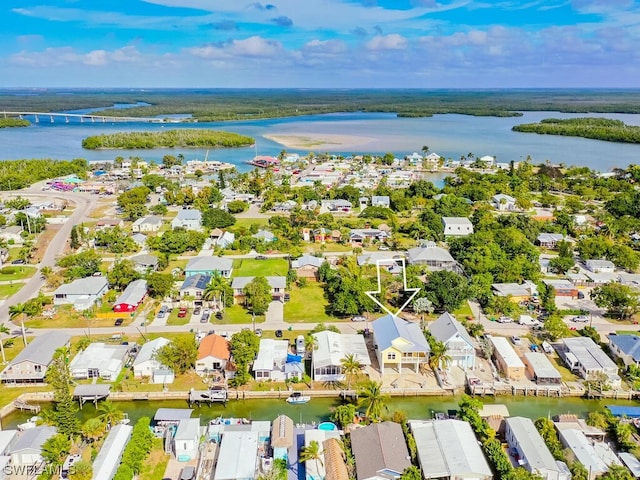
(399, 344)
(460, 345)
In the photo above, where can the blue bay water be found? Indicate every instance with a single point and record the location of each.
(448, 135)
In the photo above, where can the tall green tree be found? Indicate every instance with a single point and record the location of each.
(351, 367)
(65, 409)
(4, 330)
(447, 290)
(618, 299)
(312, 453)
(180, 354)
(258, 295)
(372, 396)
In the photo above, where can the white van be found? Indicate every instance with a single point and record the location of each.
(300, 345)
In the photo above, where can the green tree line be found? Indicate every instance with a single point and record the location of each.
(594, 128)
(167, 139)
(16, 174)
(13, 122)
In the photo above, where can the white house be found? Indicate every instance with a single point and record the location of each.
(145, 363)
(460, 346)
(82, 293)
(187, 439)
(380, 201)
(272, 360)
(330, 349)
(532, 452)
(457, 226)
(209, 266)
(99, 360)
(503, 202)
(582, 355)
(152, 223)
(108, 459)
(26, 447)
(600, 266)
(187, 218)
(12, 234)
(488, 161)
(436, 258)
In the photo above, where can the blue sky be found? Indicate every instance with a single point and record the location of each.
(320, 43)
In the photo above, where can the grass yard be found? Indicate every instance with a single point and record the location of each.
(16, 272)
(247, 222)
(156, 462)
(329, 247)
(181, 264)
(174, 320)
(463, 312)
(8, 290)
(567, 375)
(66, 317)
(237, 315)
(307, 305)
(249, 267)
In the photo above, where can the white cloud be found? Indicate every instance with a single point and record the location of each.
(249, 47)
(63, 56)
(325, 47)
(393, 41)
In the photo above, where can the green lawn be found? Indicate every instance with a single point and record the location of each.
(247, 222)
(174, 320)
(16, 272)
(156, 463)
(249, 267)
(307, 305)
(464, 311)
(236, 315)
(8, 290)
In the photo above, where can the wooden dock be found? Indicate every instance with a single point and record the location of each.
(23, 406)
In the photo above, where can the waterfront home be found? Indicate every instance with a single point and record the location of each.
(503, 202)
(457, 226)
(188, 219)
(449, 450)
(146, 364)
(549, 240)
(317, 469)
(31, 364)
(282, 438)
(278, 285)
(330, 348)
(152, 223)
(460, 345)
(583, 356)
(132, 297)
(631, 462)
(380, 451)
(334, 460)
(264, 236)
(26, 448)
(415, 158)
(585, 452)
(186, 440)
(108, 459)
(82, 293)
(541, 370)
(307, 266)
(399, 343)
(432, 160)
(506, 359)
(272, 359)
(194, 286)
(600, 266)
(238, 455)
(569, 421)
(99, 360)
(530, 450)
(213, 354)
(145, 263)
(516, 292)
(625, 347)
(209, 266)
(434, 257)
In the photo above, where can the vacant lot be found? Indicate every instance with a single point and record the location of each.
(249, 267)
(307, 305)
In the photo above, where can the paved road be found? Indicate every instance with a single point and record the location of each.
(84, 203)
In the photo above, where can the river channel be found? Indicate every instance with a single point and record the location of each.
(319, 409)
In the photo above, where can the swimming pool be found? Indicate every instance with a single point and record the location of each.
(327, 426)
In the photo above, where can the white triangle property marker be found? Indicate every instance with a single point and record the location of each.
(371, 293)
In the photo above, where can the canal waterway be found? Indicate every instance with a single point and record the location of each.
(451, 136)
(319, 409)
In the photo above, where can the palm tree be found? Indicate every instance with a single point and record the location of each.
(109, 414)
(93, 429)
(17, 310)
(351, 367)
(438, 358)
(312, 452)
(375, 400)
(6, 331)
(215, 289)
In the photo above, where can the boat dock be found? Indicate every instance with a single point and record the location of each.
(213, 395)
(23, 406)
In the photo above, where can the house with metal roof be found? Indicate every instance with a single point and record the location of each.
(82, 293)
(273, 356)
(132, 297)
(329, 351)
(194, 286)
(600, 266)
(448, 449)
(307, 266)
(584, 451)
(541, 370)
(188, 219)
(26, 448)
(186, 440)
(361, 235)
(31, 364)
(626, 347)
(380, 201)
(108, 459)
(264, 235)
(517, 292)
(151, 223)
(460, 345)
(436, 258)
(213, 354)
(583, 356)
(380, 451)
(399, 343)
(237, 459)
(506, 359)
(145, 363)
(145, 263)
(530, 450)
(457, 226)
(503, 202)
(549, 240)
(209, 266)
(225, 240)
(99, 360)
(278, 285)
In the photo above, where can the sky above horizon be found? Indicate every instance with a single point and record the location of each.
(320, 43)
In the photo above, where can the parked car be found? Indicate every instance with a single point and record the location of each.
(261, 257)
(287, 297)
(219, 315)
(383, 247)
(580, 319)
(505, 319)
(19, 261)
(259, 332)
(163, 311)
(118, 322)
(182, 312)
(188, 473)
(197, 311)
(516, 340)
(279, 333)
(204, 318)
(359, 318)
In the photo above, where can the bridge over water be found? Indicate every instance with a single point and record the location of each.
(82, 117)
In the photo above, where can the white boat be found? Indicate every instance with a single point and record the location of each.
(297, 397)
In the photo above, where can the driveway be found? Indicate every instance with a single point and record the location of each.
(274, 318)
